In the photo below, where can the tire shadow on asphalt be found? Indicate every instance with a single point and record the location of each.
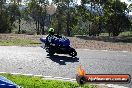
(63, 59)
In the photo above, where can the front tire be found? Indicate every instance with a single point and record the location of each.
(73, 52)
(50, 51)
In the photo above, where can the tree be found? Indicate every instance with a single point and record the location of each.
(34, 11)
(19, 16)
(44, 5)
(64, 14)
(14, 13)
(115, 17)
(37, 10)
(5, 26)
(89, 17)
(68, 18)
(60, 15)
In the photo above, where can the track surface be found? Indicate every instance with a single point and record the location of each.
(34, 60)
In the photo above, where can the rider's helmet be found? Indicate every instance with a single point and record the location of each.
(51, 31)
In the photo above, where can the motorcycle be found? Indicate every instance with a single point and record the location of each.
(61, 45)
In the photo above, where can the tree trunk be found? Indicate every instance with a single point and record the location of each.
(43, 25)
(43, 32)
(19, 30)
(37, 26)
(59, 26)
(38, 32)
(68, 18)
(10, 30)
(1, 7)
(68, 29)
(36, 23)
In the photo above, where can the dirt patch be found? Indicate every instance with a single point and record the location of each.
(100, 45)
(76, 42)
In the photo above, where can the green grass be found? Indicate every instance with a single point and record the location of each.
(38, 82)
(104, 34)
(123, 34)
(21, 42)
(126, 34)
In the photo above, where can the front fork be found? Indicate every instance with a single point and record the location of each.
(43, 46)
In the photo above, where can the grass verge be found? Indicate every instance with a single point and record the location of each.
(21, 42)
(122, 34)
(38, 82)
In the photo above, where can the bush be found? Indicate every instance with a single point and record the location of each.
(5, 26)
(23, 31)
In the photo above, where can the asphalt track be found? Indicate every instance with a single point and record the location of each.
(34, 60)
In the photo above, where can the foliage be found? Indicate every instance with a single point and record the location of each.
(9, 14)
(90, 18)
(37, 10)
(5, 26)
(14, 12)
(115, 17)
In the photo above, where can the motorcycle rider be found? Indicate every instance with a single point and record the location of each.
(57, 44)
(50, 38)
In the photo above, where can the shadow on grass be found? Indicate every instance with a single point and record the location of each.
(35, 43)
(107, 39)
(63, 59)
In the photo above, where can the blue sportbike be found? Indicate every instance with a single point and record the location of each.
(60, 45)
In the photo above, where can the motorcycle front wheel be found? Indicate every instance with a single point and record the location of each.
(50, 51)
(73, 52)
